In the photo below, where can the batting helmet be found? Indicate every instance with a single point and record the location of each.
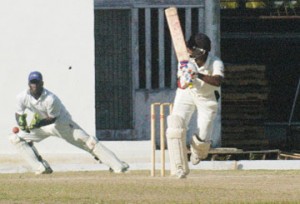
(199, 40)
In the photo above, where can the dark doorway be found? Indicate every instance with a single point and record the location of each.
(113, 74)
(254, 37)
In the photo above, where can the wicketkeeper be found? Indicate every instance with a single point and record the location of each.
(50, 118)
(199, 81)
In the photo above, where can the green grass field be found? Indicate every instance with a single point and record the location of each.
(232, 186)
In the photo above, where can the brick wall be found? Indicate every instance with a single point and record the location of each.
(244, 98)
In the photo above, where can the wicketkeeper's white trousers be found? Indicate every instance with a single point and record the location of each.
(68, 131)
(72, 133)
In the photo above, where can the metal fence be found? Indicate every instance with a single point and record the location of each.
(153, 58)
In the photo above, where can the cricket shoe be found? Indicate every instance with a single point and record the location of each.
(44, 169)
(124, 168)
(199, 149)
(195, 159)
(180, 174)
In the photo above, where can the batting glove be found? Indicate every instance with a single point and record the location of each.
(35, 122)
(187, 66)
(185, 79)
(187, 72)
(183, 64)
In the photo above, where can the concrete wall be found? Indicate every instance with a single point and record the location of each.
(57, 38)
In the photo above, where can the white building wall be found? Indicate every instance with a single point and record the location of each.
(57, 38)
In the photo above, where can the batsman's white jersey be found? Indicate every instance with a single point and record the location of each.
(49, 105)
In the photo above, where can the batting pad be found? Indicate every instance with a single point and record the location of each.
(108, 157)
(28, 152)
(199, 148)
(176, 134)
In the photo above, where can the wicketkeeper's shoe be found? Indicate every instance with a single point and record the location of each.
(44, 168)
(124, 168)
(48, 171)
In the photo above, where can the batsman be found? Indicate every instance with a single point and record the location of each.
(199, 81)
(51, 118)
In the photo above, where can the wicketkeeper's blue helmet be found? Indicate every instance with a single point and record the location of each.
(35, 76)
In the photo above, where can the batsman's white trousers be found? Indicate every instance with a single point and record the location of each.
(187, 101)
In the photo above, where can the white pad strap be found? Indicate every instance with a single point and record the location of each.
(200, 148)
(176, 134)
(91, 142)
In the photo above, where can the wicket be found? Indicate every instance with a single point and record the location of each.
(162, 134)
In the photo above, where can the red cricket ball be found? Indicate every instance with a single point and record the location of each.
(15, 130)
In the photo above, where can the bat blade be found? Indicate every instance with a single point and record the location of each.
(176, 34)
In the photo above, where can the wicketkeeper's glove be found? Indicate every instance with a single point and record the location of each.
(35, 122)
(22, 122)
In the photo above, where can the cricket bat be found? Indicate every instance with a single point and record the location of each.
(176, 34)
(178, 41)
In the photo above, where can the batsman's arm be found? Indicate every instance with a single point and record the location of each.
(215, 80)
(217, 75)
